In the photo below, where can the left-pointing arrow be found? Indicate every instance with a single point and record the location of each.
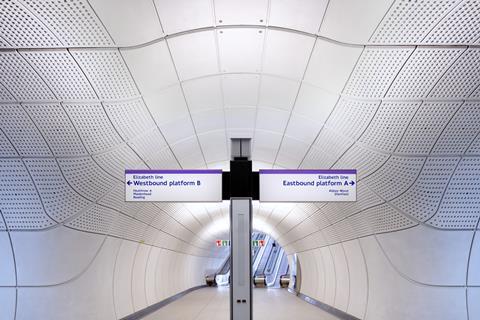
(129, 182)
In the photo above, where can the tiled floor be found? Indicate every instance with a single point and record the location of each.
(212, 304)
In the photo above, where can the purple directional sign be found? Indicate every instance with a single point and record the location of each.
(286, 185)
(173, 185)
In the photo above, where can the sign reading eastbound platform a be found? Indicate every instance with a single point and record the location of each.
(173, 185)
(308, 185)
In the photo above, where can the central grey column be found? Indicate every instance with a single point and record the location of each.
(241, 254)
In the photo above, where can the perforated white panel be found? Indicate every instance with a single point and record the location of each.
(6, 148)
(426, 127)
(476, 93)
(130, 118)
(20, 79)
(21, 29)
(364, 160)
(327, 148)
(422, 70)
(395, 176)
(73, 21)
(56, 128)
(379, 219)
(462, 78)
(460, 131)
(60, 200)
(460, 207)
(21, 206)
(409, 21)
(107, 73)
(97, 219)
(115, 199)
(116, 161)
(351, 117)
(5, 96)
(61, 73)
(93, 126)
(422, 199)
(475, 146)
(375, 71)
(3, 43)
(462, 25)
(86, 177)
(366, 198)
(21, 131)
(388, 125)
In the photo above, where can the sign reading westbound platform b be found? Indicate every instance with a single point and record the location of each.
(173, 185)
(308, 185)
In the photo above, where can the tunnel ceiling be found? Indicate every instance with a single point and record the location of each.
(89, 88)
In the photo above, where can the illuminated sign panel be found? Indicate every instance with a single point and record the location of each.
(308, 185)
(173, 185)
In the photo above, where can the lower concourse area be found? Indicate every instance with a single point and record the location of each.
(213, 304)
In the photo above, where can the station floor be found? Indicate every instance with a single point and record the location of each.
(213, 304)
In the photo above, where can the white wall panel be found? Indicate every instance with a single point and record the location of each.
(314, 103)
(291, 153)
(342, 277)
(280, 60)
(150, 270)
(71, 252)
(194, 54)
(8, 298)
(358, 279)
(241, 11)
(331, 65)
(441, 259)
(214, 146)
(473, 275)
(240, 50)
(177, 16)
(353, 21)
(308, 271)
(129, 23)
(277, 92)
(203, 93)
(303, 128)
(139, 297)
(209, 120)
(408, 298)
(7, 265)
(319, 277)
(178, 130)
(330, 276)
(75, 297)
(122, 285)
(303, 15)
(240, 117)
(157, 74)
(473, 306)
(240, 89)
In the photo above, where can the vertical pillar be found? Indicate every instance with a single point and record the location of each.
(241, 255)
